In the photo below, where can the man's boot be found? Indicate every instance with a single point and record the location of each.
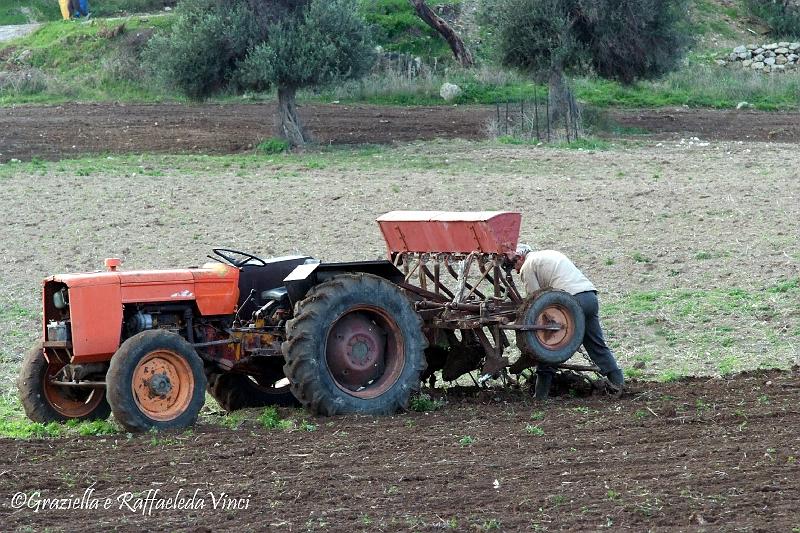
(543, 382)
(616, 378)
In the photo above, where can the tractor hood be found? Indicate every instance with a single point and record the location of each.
(96, 300)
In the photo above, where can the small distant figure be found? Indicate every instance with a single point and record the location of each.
(66, 8)
(80, 8)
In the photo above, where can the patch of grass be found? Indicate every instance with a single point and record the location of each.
(704, 85)
(95, 428)
(399, 29)
(231, 420)
(534, 430)
(728, 365)
(612, 495)
(15, 425)
(537, 415)
(423, 403)
(305, 425)
(466, 440)
(585, 143)
(716, 329)
(156, 440)
(270, 419)
(632, 373)
(69, 61)
(669, 376)
(490, 525)
(640, 257)
(273, 146)
(702, 255)
(784, 286)
(25, 429)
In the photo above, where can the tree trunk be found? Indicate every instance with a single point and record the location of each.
(460, 51)
(560, 98)
(291, 128)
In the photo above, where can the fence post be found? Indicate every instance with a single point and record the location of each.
(536, 112)
(575, 115)
(547, 110)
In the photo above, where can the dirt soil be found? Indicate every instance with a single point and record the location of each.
(648, 221)
(55, 132)
(699, 455)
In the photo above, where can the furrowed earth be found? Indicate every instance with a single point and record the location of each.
(693, 244)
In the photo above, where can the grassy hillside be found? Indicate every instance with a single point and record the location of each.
(99, 60)
(16, 12)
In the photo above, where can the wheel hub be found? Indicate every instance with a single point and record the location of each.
(163, 385)
(160, 385)
(356, 351)
(551, 316)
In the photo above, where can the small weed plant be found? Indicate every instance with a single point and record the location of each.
(534, 430)
(423, 403)
(273, 146)
(270, 419)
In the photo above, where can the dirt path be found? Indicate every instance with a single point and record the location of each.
(710, 455)
(20, 30)
(54, 132)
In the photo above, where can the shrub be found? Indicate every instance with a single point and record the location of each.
(273, 146)
(782, 16)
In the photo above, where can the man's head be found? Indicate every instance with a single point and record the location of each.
(519, 256)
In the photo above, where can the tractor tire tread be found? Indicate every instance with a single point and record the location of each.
(301, 350)
(32, 397)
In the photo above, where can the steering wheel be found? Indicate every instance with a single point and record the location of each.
(228, 255)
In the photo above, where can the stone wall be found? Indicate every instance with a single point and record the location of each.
(773, 57)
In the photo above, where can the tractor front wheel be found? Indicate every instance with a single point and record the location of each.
(156, 380)
(45, 402)
(355, 346)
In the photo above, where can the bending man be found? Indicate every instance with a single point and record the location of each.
(551, 269)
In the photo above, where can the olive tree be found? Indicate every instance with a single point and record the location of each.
(624, 40)
(239, 45)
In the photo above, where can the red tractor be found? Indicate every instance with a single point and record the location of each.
(356, 337)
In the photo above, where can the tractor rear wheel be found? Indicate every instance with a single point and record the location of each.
(559, 310)
(45, 402)
(355, 346)
(156, 380)
(240, 391)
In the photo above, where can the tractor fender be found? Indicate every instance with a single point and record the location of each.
(310, 274)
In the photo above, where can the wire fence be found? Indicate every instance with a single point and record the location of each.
(534, 120)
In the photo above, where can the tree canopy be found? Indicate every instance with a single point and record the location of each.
(624, 40)
(239, 45)
(618, 39)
